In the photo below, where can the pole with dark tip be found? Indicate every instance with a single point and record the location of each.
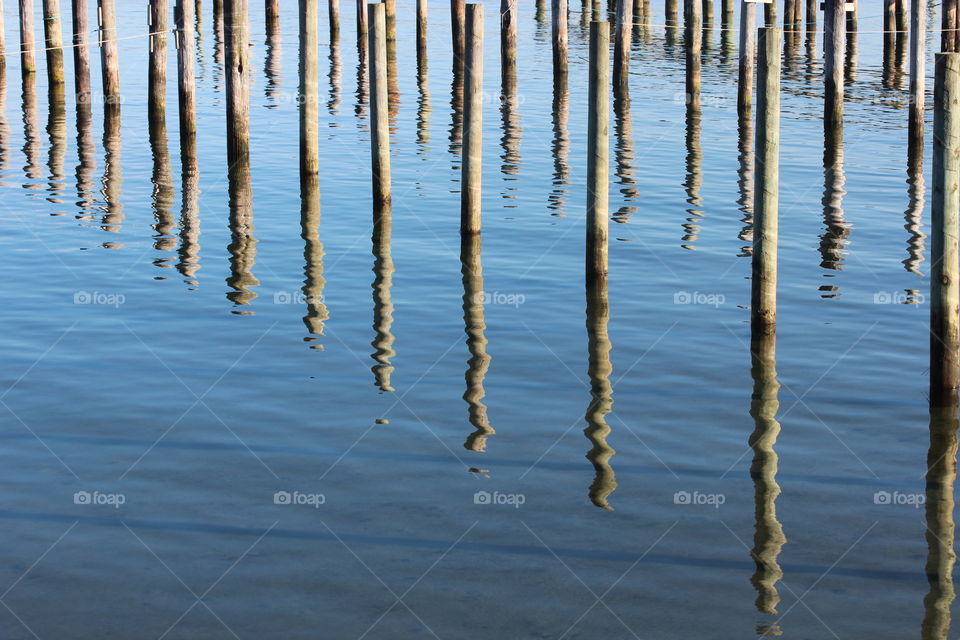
(362, 26)
(272, 15)
(748, 58)
(508, 37)
(471, 177)
(944, 269)
(598, 134)
(763, 304)
(333, 17)
(379, 106)
(421, 31)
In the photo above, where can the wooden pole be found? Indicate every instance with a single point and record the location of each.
(272, 15)
(763, 304)
(918, 26)
(944, 269)
(81, 51)
(621, 51)
(53, 37)
(186, 85)
(3, 43)
(421, 31)
(748, 58)
(237, 30)
(27, 45)
(390, 16)
(333, 13)
(598, 134)
(558, 9)
(457, 19)
(470, 183)
(948, 33)
(835, 36)
(694, 49)
(671, 12)
(707, 13)
(158, 57)
(726, 14)
(813, 7)
(362, 27)
(109, 58)
(379, 107)
(309, 89)
(508, 38)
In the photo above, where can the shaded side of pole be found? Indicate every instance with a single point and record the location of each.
(944, 268)
(472, 169)
(379, 106)
(598, 134)
(763, 305)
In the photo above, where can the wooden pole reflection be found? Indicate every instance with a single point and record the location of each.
(112, 182)
(694, 177)
(273, 63)
(599, 369)
(940, 533)
(560, 145)
(382, 301)
(475, 328)
(834, 239)
(57, 132)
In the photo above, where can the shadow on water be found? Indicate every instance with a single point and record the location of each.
(768, 537)
(940, 530)
(86, 156)
(601, 394)
(189, 251)
(423, 105)
(243, 244)
(164, 225)
(333, 103)
(475, 327)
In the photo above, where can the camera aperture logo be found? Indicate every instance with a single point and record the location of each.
(497, 498)
(697, 498)
(915, 500)
(114, 500)
(299, 498)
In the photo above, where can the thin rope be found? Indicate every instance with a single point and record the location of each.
(77, 44)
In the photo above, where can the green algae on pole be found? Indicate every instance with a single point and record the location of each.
(598, 151)
(763, 303)
(472, 174)
(379, 106)
(944, 268)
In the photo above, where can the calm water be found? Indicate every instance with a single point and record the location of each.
(155, 360)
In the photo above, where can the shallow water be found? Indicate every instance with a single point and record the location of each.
(157, 358)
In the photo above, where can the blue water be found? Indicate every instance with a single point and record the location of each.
(162, 388)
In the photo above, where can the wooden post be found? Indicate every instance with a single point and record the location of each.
(707, 13)
(362, 27)
(789, 7)
(748, 58)
(813, 7)
(918, 27)
(694, 48)
(948, 24)
(186, 89)
(421, 31)
(598, 134)
(53, 37)
(109, 58)
(3, 43)
(237, 28)
(944, 268)
(81, 52)
(272, 14)
(621, 50)
(508, 38)
(158, 57)
(763, 304)
(333, 13)
(309, 89)
(379, 107)
(726, 14)
(558, 9)
(457, 19)
(835, 36)
(471, 177)
(770, 13)
(671, 12)
(390, 17)
(27, 45)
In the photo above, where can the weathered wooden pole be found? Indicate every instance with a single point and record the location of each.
(770, 13)
(109, 58)
(558, 10)
(362, 27)
(271, 12)
(835, 36)
(3, 42)
(621, 48)
(421, 31)
(158, 57)
(237, 29)
(726, 14)
(472, 174)
(186, 85)
(81, 51)
(333, 17)
(27, 44)
(748, 58)
(379, 106)
(693, 36)
(763, 303)
(53, 37)
(671, 12)
(309, 89)
(390, 16)
(813, 7)
(948, 24)
(707, 13)
(457, 20)
(508, 38)
(918, 28)
(598, 134)
(944, 269)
